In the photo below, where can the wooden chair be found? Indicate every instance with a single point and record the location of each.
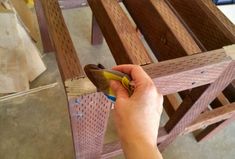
(186, 37)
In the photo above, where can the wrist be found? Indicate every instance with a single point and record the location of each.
(139, 148)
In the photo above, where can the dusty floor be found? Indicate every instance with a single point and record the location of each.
(36, 126)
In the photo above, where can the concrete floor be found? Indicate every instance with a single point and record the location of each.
(36, 126)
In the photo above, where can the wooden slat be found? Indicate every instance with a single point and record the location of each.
(163, 31)
(67, 59)
(225, 25)
(119, 33)
(187, 72)
(207, 23)
(211, 117)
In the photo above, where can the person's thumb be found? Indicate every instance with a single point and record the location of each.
(118, 89)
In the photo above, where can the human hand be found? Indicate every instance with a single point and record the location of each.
(137, 117)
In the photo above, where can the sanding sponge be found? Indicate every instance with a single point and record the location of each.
(101, 78)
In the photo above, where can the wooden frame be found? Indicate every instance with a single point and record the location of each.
(205, 74)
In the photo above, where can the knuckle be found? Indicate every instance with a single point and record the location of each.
(138, 67)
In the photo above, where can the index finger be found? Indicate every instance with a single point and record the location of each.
(135, 71)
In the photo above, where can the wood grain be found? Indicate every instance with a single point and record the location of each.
(187, 72)
(206, 22)
(66, 56)
(163, 31)
(119, 33)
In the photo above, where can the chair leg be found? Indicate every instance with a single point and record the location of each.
(89, 117)
(96, 34)
(46, 40)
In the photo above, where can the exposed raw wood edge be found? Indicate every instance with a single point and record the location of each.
(175, 100)
(223, 99)
(177, 28)
(211, 117)
(228, 28)
(119, 33)
(188, 72)
(67, 59)
(230, 51)
(114, 148)
(34, 90)
(78, 87)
